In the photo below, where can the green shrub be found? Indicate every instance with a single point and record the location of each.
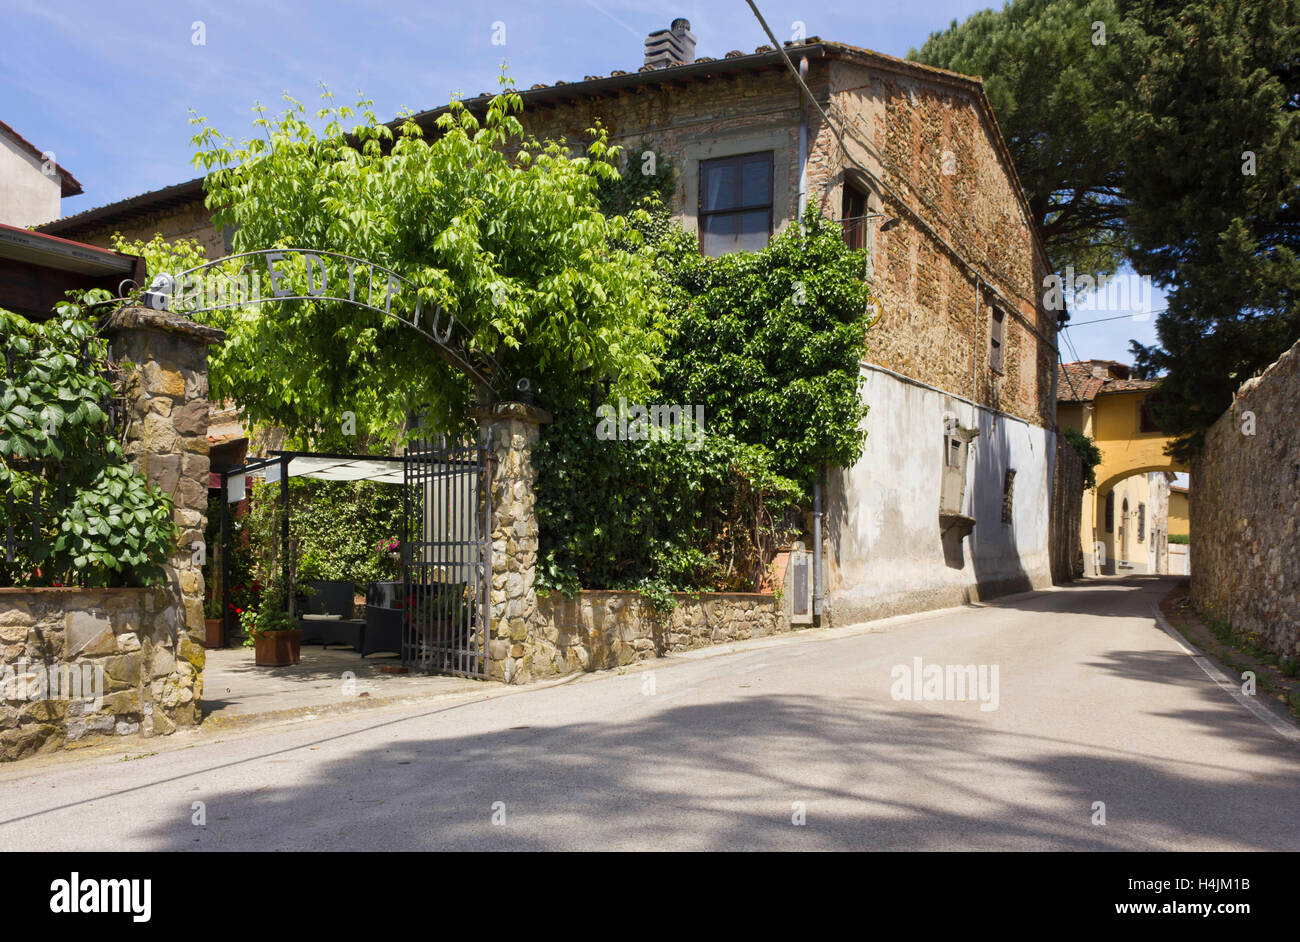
(1088, 451)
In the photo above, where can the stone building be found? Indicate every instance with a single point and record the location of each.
(950, 500)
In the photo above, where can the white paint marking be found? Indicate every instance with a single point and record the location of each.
(1279, 726)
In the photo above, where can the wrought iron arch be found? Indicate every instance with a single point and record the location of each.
(168, 292)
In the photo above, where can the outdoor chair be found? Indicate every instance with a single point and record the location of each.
(383, 618)
(327, 617)
(383, 631)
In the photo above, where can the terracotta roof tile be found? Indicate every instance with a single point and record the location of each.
(1076, 383)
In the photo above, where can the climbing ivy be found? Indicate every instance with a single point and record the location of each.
(78, 512)
(1088, 451)
(769, 343)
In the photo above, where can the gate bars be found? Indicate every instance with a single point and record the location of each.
(446, 556)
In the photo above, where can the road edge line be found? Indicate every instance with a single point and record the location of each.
(1283, 727)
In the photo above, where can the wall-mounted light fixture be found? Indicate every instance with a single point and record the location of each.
(889, 223)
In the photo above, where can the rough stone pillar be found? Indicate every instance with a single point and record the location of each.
(512, 428)
(163, 359)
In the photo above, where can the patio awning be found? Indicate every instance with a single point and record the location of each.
(382, 469)
(325, 468)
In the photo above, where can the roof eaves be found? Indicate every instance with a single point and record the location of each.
(596, 87)
(152, 201)
(68, 185)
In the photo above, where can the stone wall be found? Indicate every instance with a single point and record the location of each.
(1244, 498)
(512, 429)
(133, 674)
(147, 641)
(1065, 515)
(597, 630)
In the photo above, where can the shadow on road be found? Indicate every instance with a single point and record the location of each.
(671, 781)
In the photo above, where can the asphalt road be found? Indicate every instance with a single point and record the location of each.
(1095, 703)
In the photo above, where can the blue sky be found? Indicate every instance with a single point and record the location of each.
(108, 86)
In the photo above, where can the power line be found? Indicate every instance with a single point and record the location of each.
(1117, 317)
(1074, 351)
(897, 197)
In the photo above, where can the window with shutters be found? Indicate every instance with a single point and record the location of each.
(997, 341)
(853, 217)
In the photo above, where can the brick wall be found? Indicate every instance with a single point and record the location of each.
(935, 148)
(1066, 513)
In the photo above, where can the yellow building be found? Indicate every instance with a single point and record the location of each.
(1180, 522)
(1119, 517)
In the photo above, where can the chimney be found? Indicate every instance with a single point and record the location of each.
(672, 46)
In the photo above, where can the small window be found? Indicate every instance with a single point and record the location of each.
(1142, 521)
(1147, 414)
(997, 336)
(1008, 494)
(853, 217)
(1110, 512)
(735, 203)
(952, 456)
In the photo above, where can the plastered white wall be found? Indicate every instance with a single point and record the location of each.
(887, 554)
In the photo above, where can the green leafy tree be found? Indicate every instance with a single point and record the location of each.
(1213, 132)
(1087, 448)
(502, 232)
(1053, 76)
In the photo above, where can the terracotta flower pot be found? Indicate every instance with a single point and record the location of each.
(277, 648)
(212, 633)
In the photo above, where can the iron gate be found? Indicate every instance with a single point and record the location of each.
(446, 556)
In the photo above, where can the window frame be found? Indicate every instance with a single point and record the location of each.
(997, 339)
(702, 215)
(1147, 407)
(858, 229)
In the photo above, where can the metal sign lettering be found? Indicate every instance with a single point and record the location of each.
(194, 291)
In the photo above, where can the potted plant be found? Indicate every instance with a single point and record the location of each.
(274, 636)
(212, 634)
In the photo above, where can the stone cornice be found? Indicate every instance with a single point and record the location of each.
(135, 318)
